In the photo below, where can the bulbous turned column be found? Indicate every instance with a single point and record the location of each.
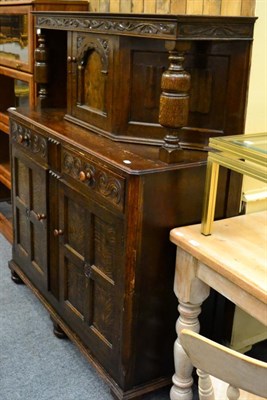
(174, 101)
(41, 70)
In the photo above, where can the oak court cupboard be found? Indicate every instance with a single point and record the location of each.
(98, 182)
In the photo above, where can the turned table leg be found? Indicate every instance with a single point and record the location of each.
(182, 379)
(191, 292)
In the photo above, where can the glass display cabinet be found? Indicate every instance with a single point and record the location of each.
(246, 154)
(15, 38)
(17, 88)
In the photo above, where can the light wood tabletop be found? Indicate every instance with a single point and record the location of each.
(233, 261)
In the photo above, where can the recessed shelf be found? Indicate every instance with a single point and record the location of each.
(6, 221)
(5, 175)
(4, 122)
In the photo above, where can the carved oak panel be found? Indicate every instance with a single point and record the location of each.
(29, 140)
(104, 244)
(106, 184)
(103, 314)
(147, 69)
(74, 288)
(30, 218)
(90, 79)
(90, 266)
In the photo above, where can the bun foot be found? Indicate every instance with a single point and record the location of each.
(15, 278)
(58, 331)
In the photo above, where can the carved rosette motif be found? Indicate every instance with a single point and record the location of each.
(109, 26)
(24, 136)
(109, 187)
(39, 145)
(101, 181)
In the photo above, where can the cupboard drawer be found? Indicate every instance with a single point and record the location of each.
(33, 143)
(99, 181)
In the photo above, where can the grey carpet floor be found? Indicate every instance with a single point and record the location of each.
(34, 364)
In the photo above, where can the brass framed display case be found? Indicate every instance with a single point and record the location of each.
(246, 154)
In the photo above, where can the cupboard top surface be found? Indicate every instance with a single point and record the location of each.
(172, 27)
(130, 158)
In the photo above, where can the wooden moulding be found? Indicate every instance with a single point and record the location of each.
(172, 27)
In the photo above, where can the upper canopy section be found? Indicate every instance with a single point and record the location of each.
(171, 27)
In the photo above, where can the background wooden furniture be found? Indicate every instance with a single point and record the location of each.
(17, 88)
(231, 263)
(92, 239)
(211, 358)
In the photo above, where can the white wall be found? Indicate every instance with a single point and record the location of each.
(256, 120)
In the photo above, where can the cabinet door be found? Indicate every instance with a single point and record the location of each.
(89, 80)
(30, 216)
(16, 32)
(91, 245)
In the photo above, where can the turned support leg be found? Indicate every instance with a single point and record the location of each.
(174, 101)
(41, 70)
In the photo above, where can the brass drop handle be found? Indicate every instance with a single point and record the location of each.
(58, 232)
(40, 217)
(83, 176)
(71, 59)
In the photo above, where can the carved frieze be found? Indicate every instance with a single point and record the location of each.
(103, 182)
(24, 136)
(109, 26)
(166, 27)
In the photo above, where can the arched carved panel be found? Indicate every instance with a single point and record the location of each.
(92, 68)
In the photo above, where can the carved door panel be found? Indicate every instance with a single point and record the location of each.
(30, 216)
(90, 76)
(91, 247)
